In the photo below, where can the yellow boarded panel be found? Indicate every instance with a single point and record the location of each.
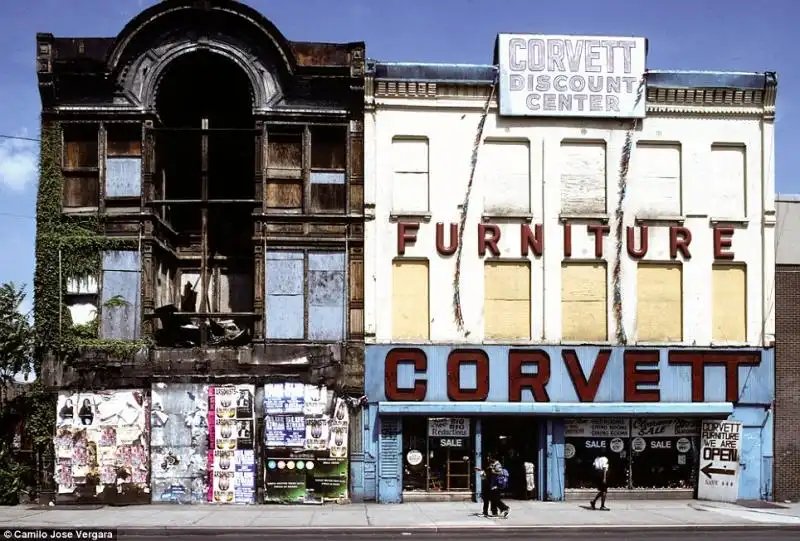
(507, 300)
(659, 303)
(584, 307)
(410, 300)
(730, 303)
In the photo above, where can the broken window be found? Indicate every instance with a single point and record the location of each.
(285, 171)
(80, 298)
(80, 166)
(305, 295)
(204, 191)
(328, 165)
(124, 160)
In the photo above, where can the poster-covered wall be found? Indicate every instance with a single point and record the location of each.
(231, 455)
(179, 442)
(305, 444)
(101, 445)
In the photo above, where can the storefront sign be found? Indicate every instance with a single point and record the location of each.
(532, 239)
(665, 428)
(445, 427)
(574, 76)
(414, 458)
(597, 428)
(721, 443)
(632, 375)
(448, 443)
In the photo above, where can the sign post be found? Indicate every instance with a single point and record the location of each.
(720, 447)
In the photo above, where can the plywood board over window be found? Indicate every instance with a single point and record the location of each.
(729, 303)
(659, 302)
(285, 171)
(654, 182)
(80, 166)
(583, 177)
(410, 300)
(505, 172)
(728, 180)
(507, 300)
(410, 178)
(584, 307)
(124, 160)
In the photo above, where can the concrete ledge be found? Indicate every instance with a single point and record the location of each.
(579, 494)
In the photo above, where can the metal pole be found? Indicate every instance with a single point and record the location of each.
(60, 295)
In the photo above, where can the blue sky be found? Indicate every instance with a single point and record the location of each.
(684, 34)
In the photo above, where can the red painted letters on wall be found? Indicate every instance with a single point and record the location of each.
(530, 369)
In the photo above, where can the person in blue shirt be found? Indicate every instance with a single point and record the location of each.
(495, 478)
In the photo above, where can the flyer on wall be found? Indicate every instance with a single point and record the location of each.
(232, 461)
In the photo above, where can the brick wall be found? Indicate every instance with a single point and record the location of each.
(787, 382)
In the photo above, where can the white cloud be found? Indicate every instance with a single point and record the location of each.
(18, 163)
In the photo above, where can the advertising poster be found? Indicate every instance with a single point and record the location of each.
(306, 435)
(232, 456)
(101, 440)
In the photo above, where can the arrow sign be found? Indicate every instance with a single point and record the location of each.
(708, 470)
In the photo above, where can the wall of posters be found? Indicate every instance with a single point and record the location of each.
(305, 438)
(179, 443)
(101, 446)
(231, 454)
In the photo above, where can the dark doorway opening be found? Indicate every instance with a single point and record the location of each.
(513, 441)
(206, 189)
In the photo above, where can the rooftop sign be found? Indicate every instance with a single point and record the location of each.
(574, 76)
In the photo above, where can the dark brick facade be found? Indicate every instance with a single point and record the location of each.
(787, 382)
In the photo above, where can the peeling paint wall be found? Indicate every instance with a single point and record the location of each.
(305, 444)
(101, 446)
(179, 432)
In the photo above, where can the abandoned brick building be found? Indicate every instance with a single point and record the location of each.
(199, 243)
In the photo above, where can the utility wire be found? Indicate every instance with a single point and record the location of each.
(20, 138)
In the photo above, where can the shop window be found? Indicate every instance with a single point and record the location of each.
(584, 307)
(507, 300)
(664, 454)
(659, 303)
(410, 318)
(588, 439)
(730, 303)
(642, 453)
(437, 454)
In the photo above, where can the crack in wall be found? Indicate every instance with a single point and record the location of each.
(457, 311)
(619, 214)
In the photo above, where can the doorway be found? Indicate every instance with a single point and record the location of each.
(513, 441)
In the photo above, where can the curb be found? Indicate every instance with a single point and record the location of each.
(361, 531)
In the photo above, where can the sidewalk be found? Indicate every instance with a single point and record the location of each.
(408, 516)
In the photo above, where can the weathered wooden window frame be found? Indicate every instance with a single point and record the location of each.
(76, 173)
(304, 175)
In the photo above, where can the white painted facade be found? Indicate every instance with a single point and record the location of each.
(701, 197)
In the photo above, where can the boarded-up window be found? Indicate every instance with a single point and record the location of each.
(120, 307)
(328, 165)
(584, 308)
(305, 287)
(507, 300)
(583, 177)
(285, 171)
(326, 302)
(410, 189)
(285, 293)
(124, 160)
(80, 166)
(730, 303)
(659, 302)
(655, 179)
(728, 181)
(410, 300)
(506, 176)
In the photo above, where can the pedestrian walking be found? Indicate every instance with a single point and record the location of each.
(497, 481)
(601, 471)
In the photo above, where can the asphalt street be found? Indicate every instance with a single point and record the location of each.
(495, 534)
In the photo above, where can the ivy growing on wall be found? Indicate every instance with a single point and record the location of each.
(67, 247)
